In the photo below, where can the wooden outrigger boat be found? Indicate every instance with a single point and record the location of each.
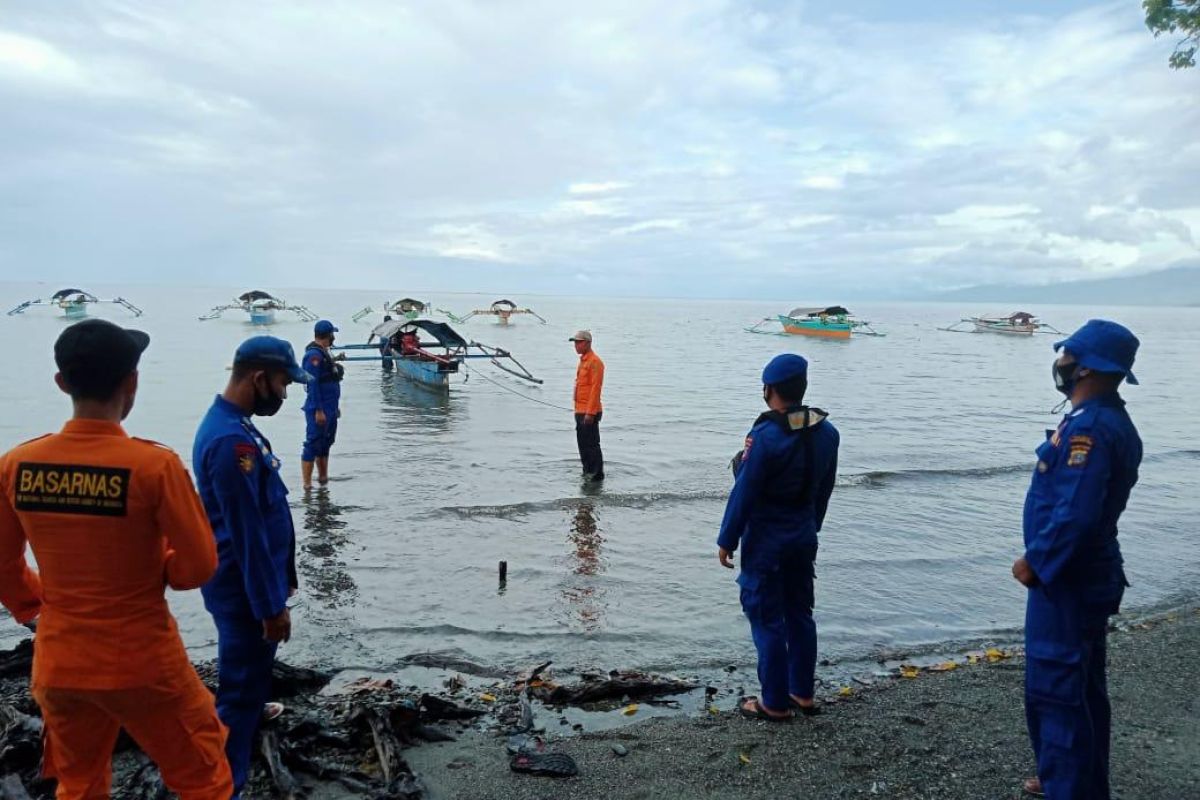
(261, 307)
(74, 303)
(502, 310)
(1019, 323)
(405, 308)
(831, 322)
(429, 362)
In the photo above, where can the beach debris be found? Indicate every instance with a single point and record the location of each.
(716, 712)
(18, 661)
(487, 697)
(845, 691)
(437, 708)
(945, 666)
(619, 749)
(554, 765)
(452, 663)
(11, 788)
(525, 743)
(909, 671)
(616, 686)
(630, 709)
(286, 785)
(994, 654)
(744, 759)
(364, 685)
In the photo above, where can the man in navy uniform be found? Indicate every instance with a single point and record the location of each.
(1072, 564)
(237, 474)
(784, 477)
(321, 409)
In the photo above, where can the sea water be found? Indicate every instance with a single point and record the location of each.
(430, 491)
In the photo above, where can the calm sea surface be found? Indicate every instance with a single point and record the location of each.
(399, 555)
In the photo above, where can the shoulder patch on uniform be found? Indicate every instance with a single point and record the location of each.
(746, 447)
(246, 455)
(316, 360)
(1080, 448)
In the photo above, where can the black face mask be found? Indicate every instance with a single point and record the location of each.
(1066, 376)
(267, 406)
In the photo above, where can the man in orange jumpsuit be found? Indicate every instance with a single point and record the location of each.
(112, 521)
(589, 380)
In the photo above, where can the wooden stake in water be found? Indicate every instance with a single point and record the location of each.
(503, 572)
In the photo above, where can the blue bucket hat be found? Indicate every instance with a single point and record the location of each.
(1103, 346)
(783, 368)
(269, 351)
(323, 328)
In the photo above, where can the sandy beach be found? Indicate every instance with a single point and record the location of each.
(959, 734)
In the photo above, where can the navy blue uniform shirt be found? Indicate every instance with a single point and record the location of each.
(1085, 471)
(238, 478)
(785, 476)
(324, 388)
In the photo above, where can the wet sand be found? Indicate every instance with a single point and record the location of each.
(958, 734)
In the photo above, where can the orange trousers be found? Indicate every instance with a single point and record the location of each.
(174, 721)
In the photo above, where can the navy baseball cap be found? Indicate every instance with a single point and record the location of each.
(96, 354)
(783, 368)
(1103, 346)
(324, 327)
(270, 352)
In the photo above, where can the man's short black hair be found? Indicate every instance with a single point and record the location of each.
(792, 390)
(96, 356)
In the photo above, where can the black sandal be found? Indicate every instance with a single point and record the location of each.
(809, 711)
(761, 713)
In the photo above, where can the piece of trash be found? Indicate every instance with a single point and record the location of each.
(630, 709)
(745, 759)
(945, 666)
(555, 765)
(716, 712)
(524, 743)
(845, 691)
(487, 697)
(972, 659)
(364, 685)
(993, 654)
(909, 671)
(620, 749)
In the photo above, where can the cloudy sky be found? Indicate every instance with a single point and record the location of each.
(670, 147)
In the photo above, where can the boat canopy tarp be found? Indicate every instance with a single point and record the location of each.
(407, 303)
(62, 293)
(443, 333)
(816, 312)
(255, 294)
(509, 303)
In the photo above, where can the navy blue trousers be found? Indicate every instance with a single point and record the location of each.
(779, 607)
(244, 661)
(1066, 690)
(318, 439)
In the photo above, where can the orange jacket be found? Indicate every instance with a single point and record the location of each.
(589, 380)
(111, 521)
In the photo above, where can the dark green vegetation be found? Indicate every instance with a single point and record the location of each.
(1177, 17)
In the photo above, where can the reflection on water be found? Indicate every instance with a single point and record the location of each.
(326, 579)
(583, 589)
(408, 405)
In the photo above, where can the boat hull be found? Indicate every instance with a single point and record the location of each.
(75, 311)
(816, 327)
(431, 374)
(262, 316)
(1005, 330)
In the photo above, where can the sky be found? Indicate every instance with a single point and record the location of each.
(629, 147)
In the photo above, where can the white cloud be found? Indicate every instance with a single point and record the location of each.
(603, 187)
(651, 225)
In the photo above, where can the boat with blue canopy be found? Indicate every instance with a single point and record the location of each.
(260, 306)
(828, 322)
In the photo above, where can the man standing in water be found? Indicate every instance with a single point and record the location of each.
(1072, 564)
(112, 521)
(321, 409)
(589, 381)
(246, 500)
(784, 478)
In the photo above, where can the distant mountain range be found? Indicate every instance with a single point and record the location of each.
(1177, 286)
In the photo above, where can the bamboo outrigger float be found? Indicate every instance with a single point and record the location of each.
(1019, 323)
(261, 307)
(502, 310)
(405, 308)
(430, 362)
(74, 303)
(830, 322)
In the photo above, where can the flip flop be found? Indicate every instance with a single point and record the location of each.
(760, 713)
(554, 765)
(808, 711)
(1033, 787)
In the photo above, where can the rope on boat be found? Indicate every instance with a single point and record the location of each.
(514, 391)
